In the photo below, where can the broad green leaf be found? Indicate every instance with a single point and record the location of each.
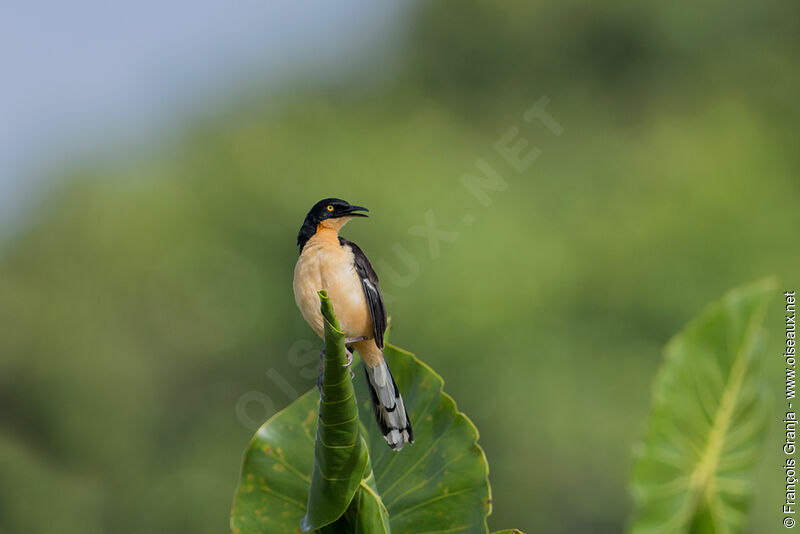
(693, 471)
(438, 484)
(441, 482)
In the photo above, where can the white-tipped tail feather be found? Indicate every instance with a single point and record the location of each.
(389, 408)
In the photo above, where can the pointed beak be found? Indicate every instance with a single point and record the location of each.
(354, 211)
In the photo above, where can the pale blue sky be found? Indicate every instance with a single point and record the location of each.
(90, 76)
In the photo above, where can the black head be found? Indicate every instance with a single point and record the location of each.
(328, 208)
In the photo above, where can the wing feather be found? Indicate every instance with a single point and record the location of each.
(372, 290)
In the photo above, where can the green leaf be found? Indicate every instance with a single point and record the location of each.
(509, 531)
(438, 484)
(693, 471)
(340, 454)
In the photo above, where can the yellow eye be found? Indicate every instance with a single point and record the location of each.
(329, 207)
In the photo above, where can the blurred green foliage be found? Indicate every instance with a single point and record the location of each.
(146, 304)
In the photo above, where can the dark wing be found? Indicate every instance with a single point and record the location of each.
(372, 290)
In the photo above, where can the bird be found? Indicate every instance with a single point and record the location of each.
(332, 263)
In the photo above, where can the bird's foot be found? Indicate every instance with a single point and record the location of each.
(349, 358)
(349, 340)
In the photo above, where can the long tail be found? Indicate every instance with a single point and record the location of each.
(389, 408)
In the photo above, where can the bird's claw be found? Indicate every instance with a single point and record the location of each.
(348, 364)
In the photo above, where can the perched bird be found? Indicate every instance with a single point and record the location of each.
(330, 262)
